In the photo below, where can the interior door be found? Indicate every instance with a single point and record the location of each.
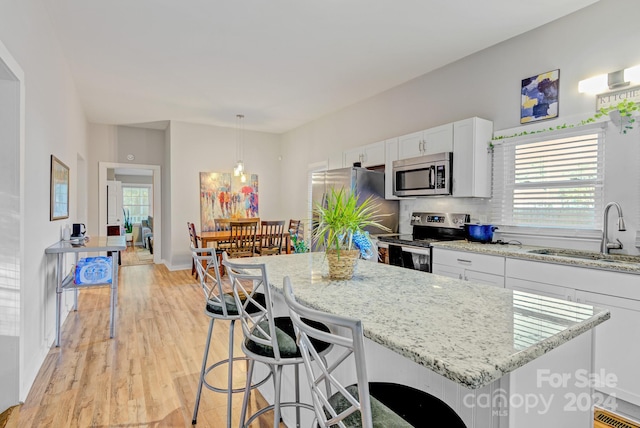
(114, 203)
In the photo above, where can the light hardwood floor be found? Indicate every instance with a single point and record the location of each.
(148, 374)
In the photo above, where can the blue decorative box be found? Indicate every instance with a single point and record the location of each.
(93, 270)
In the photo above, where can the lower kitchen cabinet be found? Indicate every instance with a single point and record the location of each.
(617, 346)
(478, 268)
(617, 340)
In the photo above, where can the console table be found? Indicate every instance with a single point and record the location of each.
(65, 281)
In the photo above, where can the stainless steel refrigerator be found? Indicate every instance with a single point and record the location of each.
(365, 183)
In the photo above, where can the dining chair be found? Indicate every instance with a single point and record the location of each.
(268, 339)
(242, 238)
(194, 243)
(271, 234)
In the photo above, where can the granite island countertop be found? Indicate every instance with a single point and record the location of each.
(470, 333)
(587, 259)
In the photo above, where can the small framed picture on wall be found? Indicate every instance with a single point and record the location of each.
(539, 97)
(59, 190)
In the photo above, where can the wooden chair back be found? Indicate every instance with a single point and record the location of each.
(194, 244)
(296, 227)
(193, 236)
(222, 224)
(271, 233)
(242, 240)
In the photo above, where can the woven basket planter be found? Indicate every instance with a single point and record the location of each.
(341, 265)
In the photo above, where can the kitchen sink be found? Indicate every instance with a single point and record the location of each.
(588, 255)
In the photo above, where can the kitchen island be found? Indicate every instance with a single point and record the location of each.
(487, 352)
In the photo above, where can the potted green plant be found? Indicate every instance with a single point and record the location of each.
(340, 229)
(128, 226)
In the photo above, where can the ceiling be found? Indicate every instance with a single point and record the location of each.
(281, 63)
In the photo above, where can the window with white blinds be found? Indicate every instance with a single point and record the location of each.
(549, 183)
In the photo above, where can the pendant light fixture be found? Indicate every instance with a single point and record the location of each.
(238, 170)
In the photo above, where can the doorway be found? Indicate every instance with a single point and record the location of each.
(12, 289)
(133, 169)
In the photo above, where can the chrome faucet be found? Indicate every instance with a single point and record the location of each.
(607, 245)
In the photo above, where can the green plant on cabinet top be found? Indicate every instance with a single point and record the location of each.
(621, 114)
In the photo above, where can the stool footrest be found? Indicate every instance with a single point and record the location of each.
(225, 390)
(271, 407)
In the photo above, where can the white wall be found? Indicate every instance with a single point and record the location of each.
(598, 39)
(55, 124)
(201, 148)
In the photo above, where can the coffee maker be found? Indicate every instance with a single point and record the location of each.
(78, 230)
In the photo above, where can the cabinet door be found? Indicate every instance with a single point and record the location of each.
(617, 345)
(373, 154)
(471, 159)
(391, 154)
(450, 271)
(438, 139)
(351, 156)
(410, 145)
(484, 278)
(335, 160)
(549, 290)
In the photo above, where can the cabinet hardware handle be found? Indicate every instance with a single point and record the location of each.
(464, 261)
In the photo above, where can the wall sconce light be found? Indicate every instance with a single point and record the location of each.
(613, 80)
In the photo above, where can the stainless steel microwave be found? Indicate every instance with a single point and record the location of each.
(423, 176)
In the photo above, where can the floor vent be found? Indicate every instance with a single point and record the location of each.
(604, 419)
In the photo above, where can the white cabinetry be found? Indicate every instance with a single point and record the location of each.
(471, 158)
(617, 345)
(335, 160)
(369, 155)
(617, 340)
(391, 154)
(479, 268)
(427, 142)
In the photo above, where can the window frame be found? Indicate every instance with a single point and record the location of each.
(502, 200)
(138, 186)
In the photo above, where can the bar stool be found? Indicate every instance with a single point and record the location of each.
(219, 306)
(267, 339)
(361, 404)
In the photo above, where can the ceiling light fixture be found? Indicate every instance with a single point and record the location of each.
(238, 170)
(610, 81)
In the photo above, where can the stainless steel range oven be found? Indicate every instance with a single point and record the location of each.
(414, 251)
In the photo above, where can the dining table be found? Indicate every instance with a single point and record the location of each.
(214, 237)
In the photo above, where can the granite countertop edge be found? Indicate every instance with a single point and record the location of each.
(517, 251)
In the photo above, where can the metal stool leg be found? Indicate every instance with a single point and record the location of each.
(230, 374)
(277, 384)
(247, 392)
(202, 372)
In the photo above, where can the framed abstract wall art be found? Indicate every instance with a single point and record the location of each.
(539, 97)
(222, 195)
(59, 191)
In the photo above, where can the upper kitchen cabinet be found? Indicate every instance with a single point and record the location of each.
(335, 160)
(369, 155)
(391, 154)
(471, 158)
(427, 142)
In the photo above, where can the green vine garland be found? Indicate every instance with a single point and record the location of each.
(625, 107)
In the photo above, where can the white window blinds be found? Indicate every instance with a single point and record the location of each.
(549, 183)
